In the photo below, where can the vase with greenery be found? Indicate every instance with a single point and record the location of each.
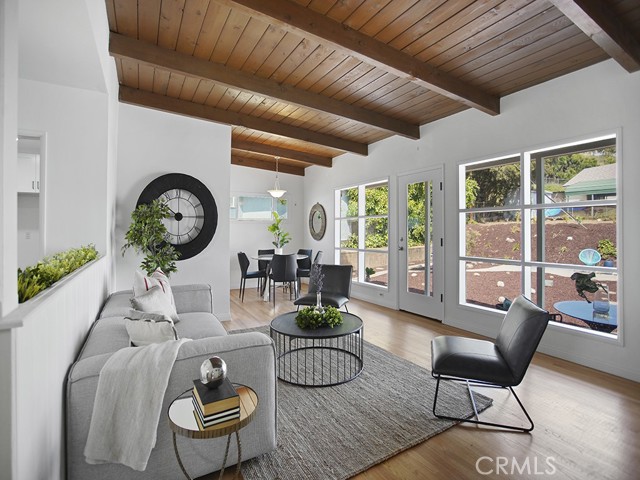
(146, 235)
(368, 272)
(316, 277)
(280, 237)
(311, 318)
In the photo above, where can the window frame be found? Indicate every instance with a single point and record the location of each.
(528, 208)
(269, 219)
(361, 219)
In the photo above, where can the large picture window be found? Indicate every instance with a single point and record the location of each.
(362, 231)
(544, 223)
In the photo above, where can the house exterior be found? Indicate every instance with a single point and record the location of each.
(58, 82)
(595, 183)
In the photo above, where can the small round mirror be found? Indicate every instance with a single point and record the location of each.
(317, 221)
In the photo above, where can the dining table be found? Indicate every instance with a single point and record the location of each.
(267, 257)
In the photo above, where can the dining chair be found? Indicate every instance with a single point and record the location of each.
(501, 363)
(336, 287)
(244, 262)
(304, 265)
(263, 264)
(283, 269)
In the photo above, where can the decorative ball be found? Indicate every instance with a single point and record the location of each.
(212, 372)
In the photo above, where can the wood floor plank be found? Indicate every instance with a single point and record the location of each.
(587, 422)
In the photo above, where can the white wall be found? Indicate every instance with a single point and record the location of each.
(73, 188)
(153, 143)
(52, 328)
(8, 220)
(602, 98)
(28, 230)
(57, 86)
(249, 236)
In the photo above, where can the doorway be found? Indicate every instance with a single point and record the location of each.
(30, 190)
(421, 243)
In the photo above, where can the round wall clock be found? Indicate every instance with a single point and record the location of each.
(194, 212)
(317, 221)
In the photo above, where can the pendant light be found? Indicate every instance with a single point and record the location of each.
(277, 192)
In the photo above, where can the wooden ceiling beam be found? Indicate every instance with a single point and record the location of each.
(121, 46)
(314, 25)
(273, 151)
(205, 112)
(265, 165)
(600, 23)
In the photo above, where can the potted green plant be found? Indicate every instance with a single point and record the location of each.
(368, 272)
(608, 252)
(146, 235)
(280, 237)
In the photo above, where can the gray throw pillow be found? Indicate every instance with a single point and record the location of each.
(145, 328)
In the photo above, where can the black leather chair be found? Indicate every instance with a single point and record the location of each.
(264, 264)
(283, 269)
(336, 287)
(244, 262)
(502, 363)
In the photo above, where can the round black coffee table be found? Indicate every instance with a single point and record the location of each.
(318, 358)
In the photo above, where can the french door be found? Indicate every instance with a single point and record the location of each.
(421, 243)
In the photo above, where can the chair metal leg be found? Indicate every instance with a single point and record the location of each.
(477, 421)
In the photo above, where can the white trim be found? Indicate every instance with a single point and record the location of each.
(526, 207)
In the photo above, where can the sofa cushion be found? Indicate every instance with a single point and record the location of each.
(106, 336)
(196, 325)
(117, 305)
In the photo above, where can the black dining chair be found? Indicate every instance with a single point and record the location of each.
(244, 262)
(283, 269)
(501, 363)
(304, 265)
(336, 287)
(264, 264)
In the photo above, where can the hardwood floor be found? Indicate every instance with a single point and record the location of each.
(587, 422)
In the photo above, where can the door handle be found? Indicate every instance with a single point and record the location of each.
(400, 248)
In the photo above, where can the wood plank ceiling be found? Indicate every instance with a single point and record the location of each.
(307, 80)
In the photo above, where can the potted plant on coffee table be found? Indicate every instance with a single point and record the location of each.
(280, 237)
(146, 235)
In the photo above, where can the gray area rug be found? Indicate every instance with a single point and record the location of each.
(337, 432)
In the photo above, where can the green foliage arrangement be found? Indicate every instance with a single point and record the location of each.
(607, 249)
(147, 234)
(32, 280)
(311, 318)
(280, 237)
(369, 271)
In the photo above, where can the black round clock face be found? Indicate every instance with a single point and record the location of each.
(194, 215)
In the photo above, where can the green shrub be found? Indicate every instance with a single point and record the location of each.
(607, 249)
(32, 280)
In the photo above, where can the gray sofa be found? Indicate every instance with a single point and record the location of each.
(250, 359)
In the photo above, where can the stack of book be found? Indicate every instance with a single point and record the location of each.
(217, 407)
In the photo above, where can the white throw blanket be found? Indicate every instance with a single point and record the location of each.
(128, 404)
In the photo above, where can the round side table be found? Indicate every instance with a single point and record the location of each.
(183, 422)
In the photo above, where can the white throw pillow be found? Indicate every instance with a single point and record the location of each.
(145, 328)
(155, 301)
(142, 284)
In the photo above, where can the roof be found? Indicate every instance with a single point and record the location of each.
(593, 180)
